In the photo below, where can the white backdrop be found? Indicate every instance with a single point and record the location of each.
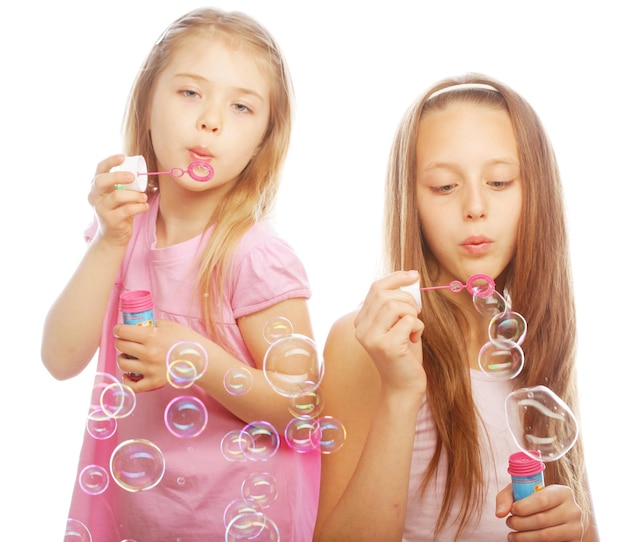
(68, 66)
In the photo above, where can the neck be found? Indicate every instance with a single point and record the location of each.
(182, 214)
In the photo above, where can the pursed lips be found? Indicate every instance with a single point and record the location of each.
(476, 245)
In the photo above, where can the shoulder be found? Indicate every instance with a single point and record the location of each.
(344, 356)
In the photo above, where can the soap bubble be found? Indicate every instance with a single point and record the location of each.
(137, 465)
(277, 328)
(232, 445)
(99, 425)
(185, 416)
(243, 520)
(265, 527)
(93, 479)
(539, 420)
(507, 327)
(238, 380)
(259, 441)
(76, 531)
(502, 361)
(292, 365)
(332, 434)
(490, 305)
(307, 405)
(186, 362)
(259, 489)
(118, 400)
(303, 434)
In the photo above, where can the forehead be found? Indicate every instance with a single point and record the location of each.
(466, 129)
(221, 60)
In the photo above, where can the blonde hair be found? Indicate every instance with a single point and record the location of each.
(538, 279)
(254, 192)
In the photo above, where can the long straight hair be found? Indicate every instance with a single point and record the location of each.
(538, 279)
(254, 192)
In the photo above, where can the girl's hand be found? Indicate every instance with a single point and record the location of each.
(389, 329)
(143, 350)
(115, 206)
(549, 514)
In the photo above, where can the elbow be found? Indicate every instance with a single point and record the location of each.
(59, 364)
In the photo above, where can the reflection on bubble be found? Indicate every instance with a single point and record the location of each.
(507, 327)
(99, 426)
(137, 465)
(332, 434)
(266, 529)
(93, 479)
(232, 445)
(539, 420)
(500, 363)
(243, 520)
(303, 435)
(259, 441)
(308, 405)
(490, 305)
(186, 416)
(277, 328)
(186, 362)
(238, 380)
(292, 366)
(259, 489)
(118, 400)
(76, 531)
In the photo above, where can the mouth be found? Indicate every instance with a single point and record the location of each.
(201, 153)
(476, 245)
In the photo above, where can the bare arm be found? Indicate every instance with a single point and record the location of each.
(72, 328)
(149, 347)
(374, 386)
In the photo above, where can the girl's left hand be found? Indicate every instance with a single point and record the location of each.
(549, 514)
(143, 350)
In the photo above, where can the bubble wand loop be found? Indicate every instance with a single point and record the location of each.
(192, 170)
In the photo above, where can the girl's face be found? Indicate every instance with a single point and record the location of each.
(469, 193)
(212, 103)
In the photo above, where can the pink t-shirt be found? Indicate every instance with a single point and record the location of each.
(199, 480)
(489, 396)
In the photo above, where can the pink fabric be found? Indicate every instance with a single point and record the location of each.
(188, 504)
(498, 444)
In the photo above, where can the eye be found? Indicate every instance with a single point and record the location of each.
(187, 93)
(443, 189)
(501, 185)
(242, 108)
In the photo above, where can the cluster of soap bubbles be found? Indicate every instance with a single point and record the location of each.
(292, 367)
(536, 417)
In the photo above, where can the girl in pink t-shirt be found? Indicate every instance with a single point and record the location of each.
(214, 90)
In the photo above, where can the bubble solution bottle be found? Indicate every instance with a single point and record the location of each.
(526, 473)
(137, 309)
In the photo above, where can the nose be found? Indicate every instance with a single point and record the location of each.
(210, 120)
(475, 206)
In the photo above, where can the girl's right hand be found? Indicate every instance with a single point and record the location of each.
(115, 206)
(389, 329)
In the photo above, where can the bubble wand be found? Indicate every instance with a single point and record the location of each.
(199, 170)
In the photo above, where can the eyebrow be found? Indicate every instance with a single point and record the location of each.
(200, 79)
(454, 165)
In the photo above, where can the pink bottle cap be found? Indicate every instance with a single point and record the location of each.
(136, 301)
(521, 464)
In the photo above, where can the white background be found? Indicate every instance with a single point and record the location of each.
(67, 68)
